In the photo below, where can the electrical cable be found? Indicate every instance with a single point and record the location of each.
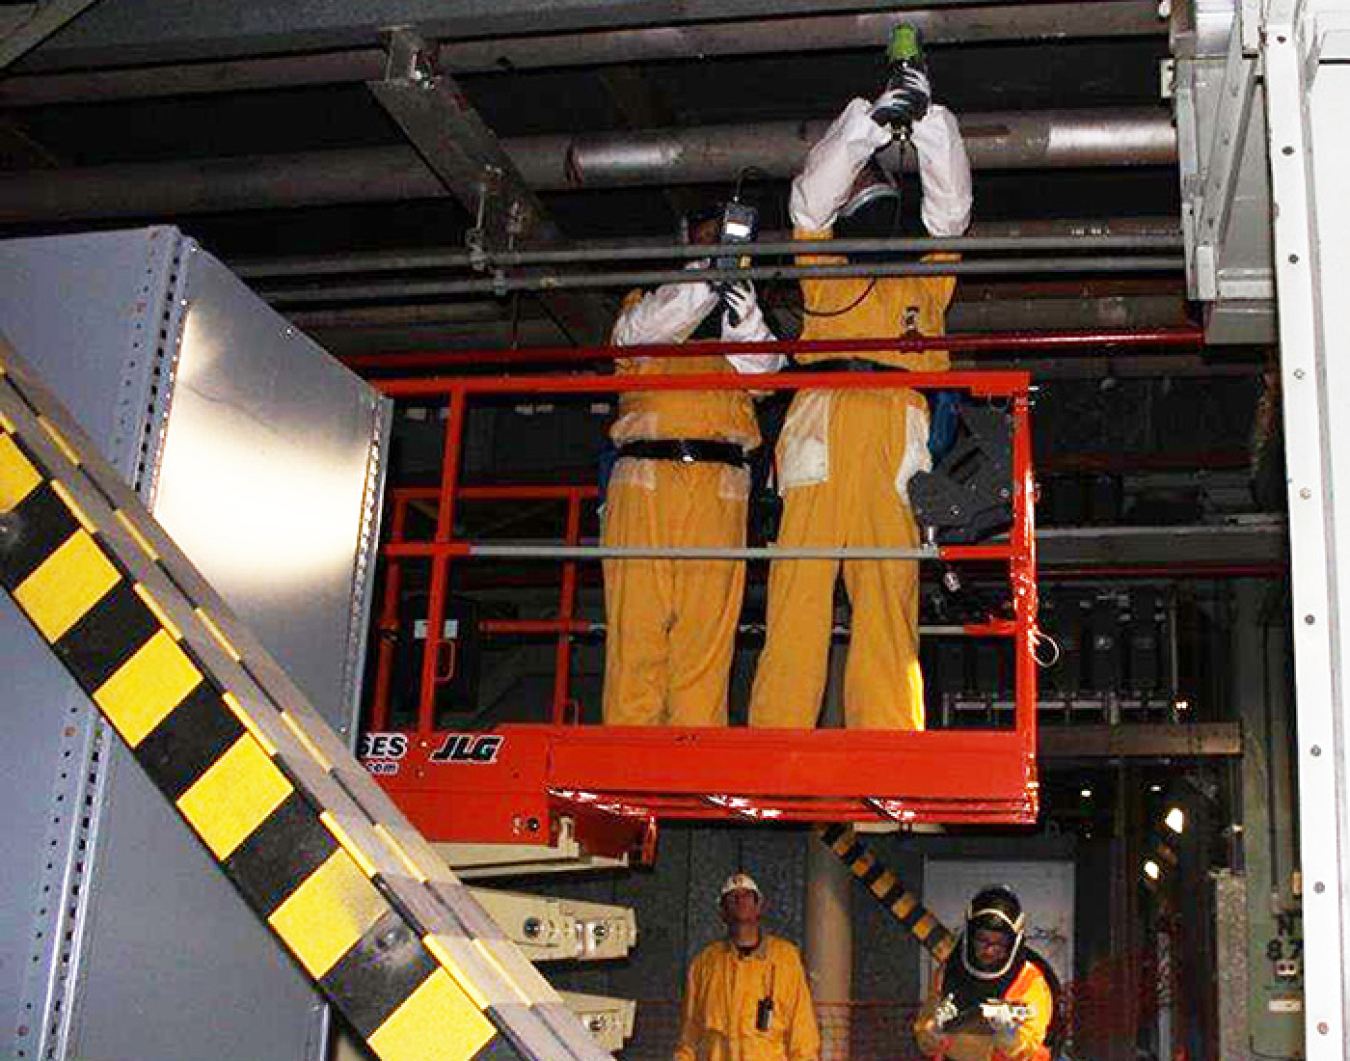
(1039, 637)
(847, 309)
(896, 220)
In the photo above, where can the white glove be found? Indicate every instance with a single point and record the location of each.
(667, 315)
(1003, 1021)
(743, 322)
(831, 166)
(944, 172)
(945, 1013)
(906, 103)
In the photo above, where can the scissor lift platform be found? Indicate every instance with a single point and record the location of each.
(517, 782)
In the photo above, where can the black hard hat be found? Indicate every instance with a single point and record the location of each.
(996, 907)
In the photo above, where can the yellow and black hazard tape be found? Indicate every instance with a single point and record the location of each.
(889, 890)
(345, 883)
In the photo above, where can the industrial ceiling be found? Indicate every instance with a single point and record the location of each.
(259, 128)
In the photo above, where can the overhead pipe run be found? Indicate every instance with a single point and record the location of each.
(712, 154)
(501, 283)
(1060, 139)
(765, 248)
(1130, 233)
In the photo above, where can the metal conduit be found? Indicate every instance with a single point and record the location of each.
(713, 154)
(500, 284)
(659, 251)
(452, 257)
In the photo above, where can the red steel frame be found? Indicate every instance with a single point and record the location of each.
(400, 498)
(514, 784)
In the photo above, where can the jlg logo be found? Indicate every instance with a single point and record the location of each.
(468, 748)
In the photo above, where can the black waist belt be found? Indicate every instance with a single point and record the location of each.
(687, 450)
(849, 364)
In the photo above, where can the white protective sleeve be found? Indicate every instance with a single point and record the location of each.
(822, 187)
(667, 315)
(944, 173)
(832, 165)
(752, 328)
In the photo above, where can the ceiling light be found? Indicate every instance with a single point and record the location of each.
(1175, 820)
(1151, 870)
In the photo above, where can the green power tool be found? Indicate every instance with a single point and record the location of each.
(905, 57)
(906, 46)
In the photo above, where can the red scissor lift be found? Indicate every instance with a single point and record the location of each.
(616, 783)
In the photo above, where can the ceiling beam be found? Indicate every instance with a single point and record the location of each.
(454, 141)
(1250, 540)
(471, 163)
(18, 148)
(122, 32)
(39, 22)
(980, 24)
(1202, 740)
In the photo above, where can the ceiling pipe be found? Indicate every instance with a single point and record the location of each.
(1003, 140)
(973, 25)
(1059, 139)
(604, 253)
(585, 281)
(1156, 233)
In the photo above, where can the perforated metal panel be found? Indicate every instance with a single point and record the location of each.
(132, 945)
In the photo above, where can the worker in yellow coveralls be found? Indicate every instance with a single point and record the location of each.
(681, 479)
(845, 458)
(746, 996)
(995, 999)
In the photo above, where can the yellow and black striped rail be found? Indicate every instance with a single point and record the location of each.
(889, 890)
(348, 887)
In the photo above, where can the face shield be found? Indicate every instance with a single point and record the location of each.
(872, 210)
(993, 912)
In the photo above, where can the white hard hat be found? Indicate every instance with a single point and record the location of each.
(737, 882)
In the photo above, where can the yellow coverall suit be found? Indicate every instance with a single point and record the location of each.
(845, 458)
(1028, 1044)
(721, 1000)
(844, 461)
(671, 624)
